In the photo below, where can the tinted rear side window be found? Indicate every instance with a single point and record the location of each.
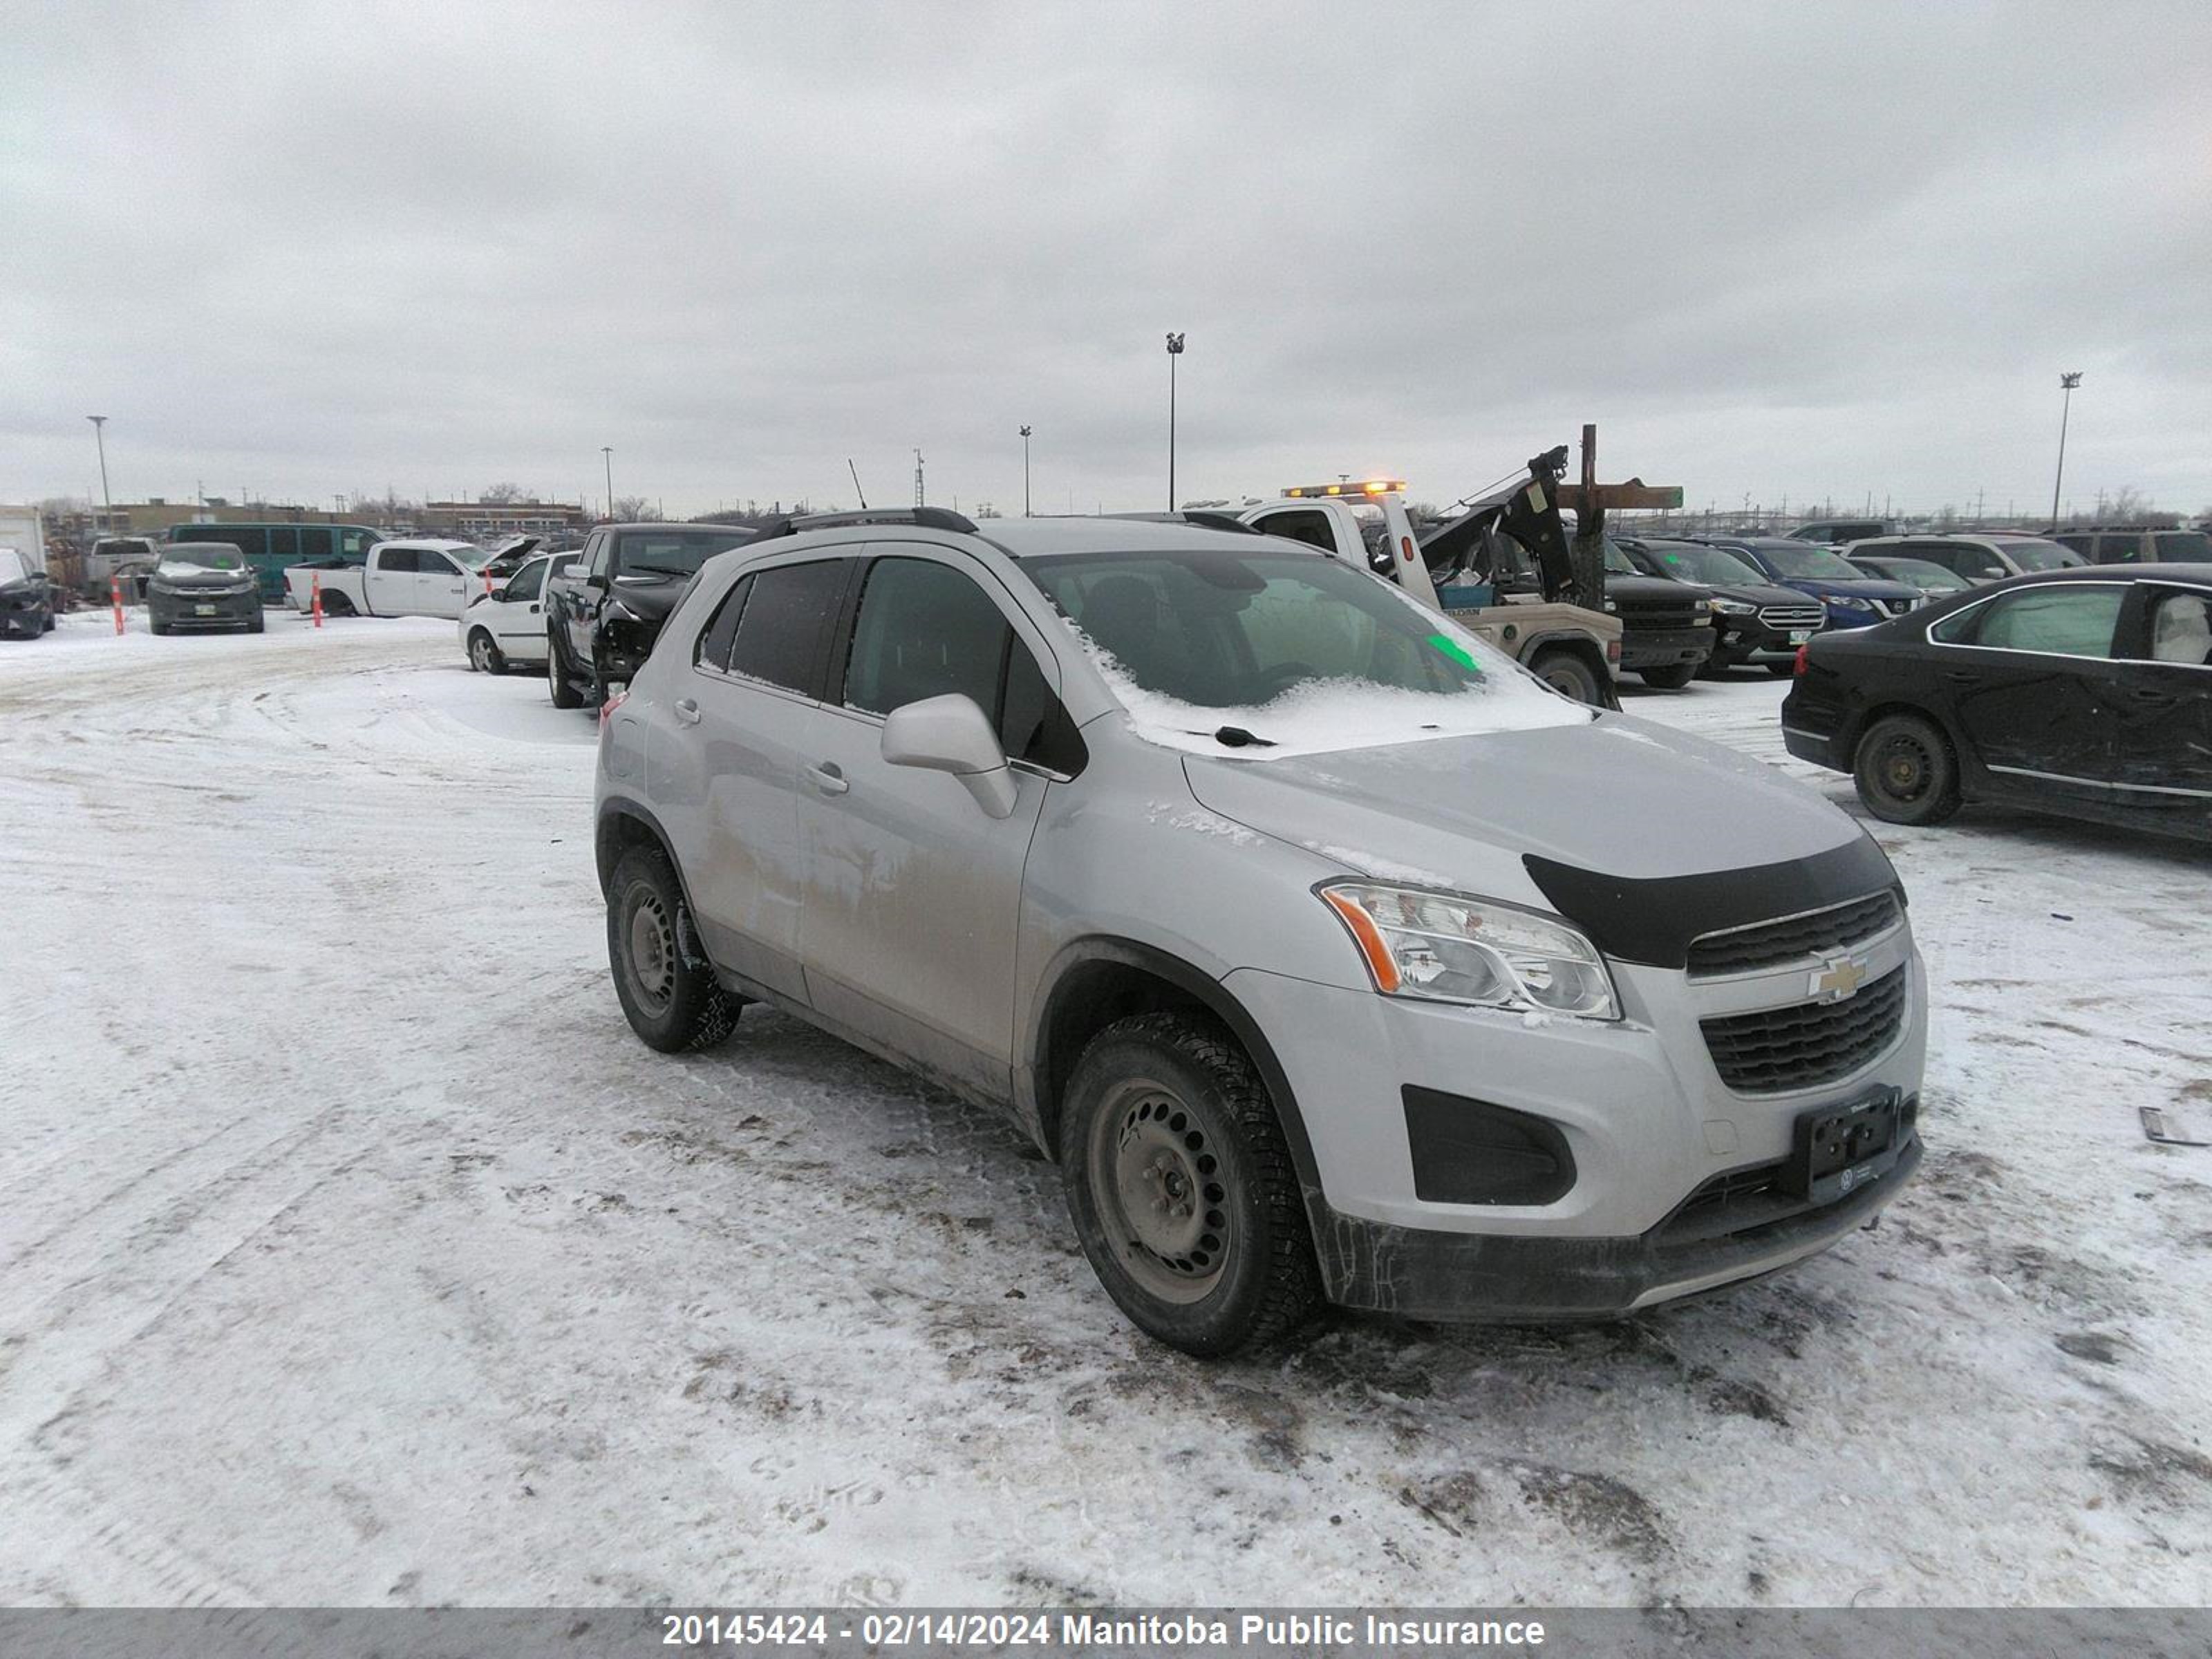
(714, 647)
(397, 561)
(779, 634)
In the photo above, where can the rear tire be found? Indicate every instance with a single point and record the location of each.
(1564, 672)
(1182, 1188)
(666, 986)
(1672, 677)
(334, 605)
(483, 655)
(1905, 771)
(564, 693)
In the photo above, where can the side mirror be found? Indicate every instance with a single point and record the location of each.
(951, 734)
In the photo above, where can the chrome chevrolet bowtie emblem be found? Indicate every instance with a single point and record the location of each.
(1841, 978)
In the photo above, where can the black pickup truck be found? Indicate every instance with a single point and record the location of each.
(1667, 629)
(604, 612)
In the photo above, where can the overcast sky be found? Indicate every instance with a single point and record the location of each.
(1801, 250)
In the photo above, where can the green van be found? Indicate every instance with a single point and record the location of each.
(271, 549)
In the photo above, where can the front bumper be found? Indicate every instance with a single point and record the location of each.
(1746, 638)
(1661, 647)
(216, 609)
(1638, 1104)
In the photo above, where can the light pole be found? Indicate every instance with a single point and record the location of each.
(1026, 472)
(1175, 351)
(2066, 384)
(607, 450)
(107, 502)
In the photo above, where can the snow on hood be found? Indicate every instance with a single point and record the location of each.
(1614, 794)
(1323, 716)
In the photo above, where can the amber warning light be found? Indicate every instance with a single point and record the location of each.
(1370, 487)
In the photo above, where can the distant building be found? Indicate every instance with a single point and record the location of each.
(482, 520)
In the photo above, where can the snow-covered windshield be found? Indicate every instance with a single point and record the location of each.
(1714, 566)
(1271, 653)
(13, 567)
(202, 556)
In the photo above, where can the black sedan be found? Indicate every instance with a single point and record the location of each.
(2085, 692)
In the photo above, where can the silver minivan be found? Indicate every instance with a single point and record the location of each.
(1331, 955)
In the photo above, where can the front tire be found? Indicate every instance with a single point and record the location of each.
(1181, 1190)
(666, 986)
(1905, 771)
(257, 623)
(1564, 672)
(483, 655)
(1673, 677)
(564, 693)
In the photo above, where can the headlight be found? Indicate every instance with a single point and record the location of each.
(1733, 607)
(158, 585)
(616, 608)
(1843, 603)
(1442, 947)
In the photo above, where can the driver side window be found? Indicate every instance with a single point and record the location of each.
(528, 582)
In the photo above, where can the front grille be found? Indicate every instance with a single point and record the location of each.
(1808, 1044)
(1792, 616)
(1655, 616)
(1793, 939)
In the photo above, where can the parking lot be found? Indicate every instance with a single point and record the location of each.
(357, 1253)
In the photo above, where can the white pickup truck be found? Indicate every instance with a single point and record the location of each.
(397, 578)
(1365, 524)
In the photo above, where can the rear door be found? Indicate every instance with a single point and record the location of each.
(2164, 704)
(2034, 687)
(389, 582)
(913, 890)
(751, 717)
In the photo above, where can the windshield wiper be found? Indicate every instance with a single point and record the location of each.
(657, 569)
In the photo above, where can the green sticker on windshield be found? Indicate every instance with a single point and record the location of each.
(1458, 653)
(1674, 558)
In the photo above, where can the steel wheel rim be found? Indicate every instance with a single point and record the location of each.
(1902, 767)
(1155, 1182)
(649, 950)
(1566, 681)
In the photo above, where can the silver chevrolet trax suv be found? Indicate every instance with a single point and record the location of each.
(1331, 955)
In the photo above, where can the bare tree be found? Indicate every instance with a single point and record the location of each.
(500, 495)
(629, 509)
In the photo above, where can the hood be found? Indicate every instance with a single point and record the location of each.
(1654, 591)
(651, 596)
(1616, 796)
(1872, 587)
(200, 575)
(1759, 593)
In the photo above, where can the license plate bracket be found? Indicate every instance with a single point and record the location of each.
(1838, 1149)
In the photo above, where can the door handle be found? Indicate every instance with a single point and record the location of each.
(687, 711)
(2156, 699)
(828, 778)
(1958, 677)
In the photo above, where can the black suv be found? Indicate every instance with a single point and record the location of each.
(1754, 621)
(604, 612)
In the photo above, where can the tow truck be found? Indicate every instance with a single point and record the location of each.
(1471, 565)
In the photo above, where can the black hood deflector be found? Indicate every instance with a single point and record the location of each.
(1654, 920)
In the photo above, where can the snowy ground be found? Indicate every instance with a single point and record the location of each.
(354, 1252)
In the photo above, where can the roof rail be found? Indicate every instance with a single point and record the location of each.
(926, 518)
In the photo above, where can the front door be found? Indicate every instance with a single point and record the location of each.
(2033, 685)
(442, 585)
(913, 890)
(517, 620)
